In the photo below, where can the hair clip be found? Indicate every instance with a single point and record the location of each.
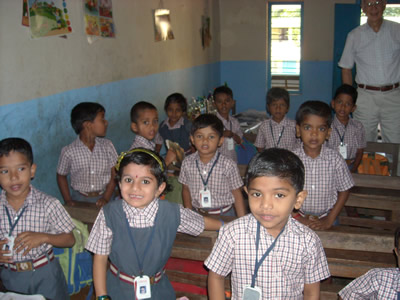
(123, 154)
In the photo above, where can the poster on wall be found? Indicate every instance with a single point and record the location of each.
(48, 18)
(25, 18)
(162, 25)
(98, 18)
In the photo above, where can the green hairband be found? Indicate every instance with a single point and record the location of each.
(123, 154)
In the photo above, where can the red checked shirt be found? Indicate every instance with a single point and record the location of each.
(233, 125)
(223, 180)
(283, 135)
(376, 284)
(298, 258)
(100, 238)
(141, 142)
(353, 136)
(90, 170)
(326, 175)
(43, 213)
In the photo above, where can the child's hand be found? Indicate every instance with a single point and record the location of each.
(228, 133)
(321, 224)
(101, 202)
(4, 259)
(70, 203)
(28, 240)
(170, 157)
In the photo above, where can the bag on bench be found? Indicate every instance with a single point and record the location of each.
(374, 164)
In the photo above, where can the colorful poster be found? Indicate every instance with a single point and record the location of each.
(162, 25)
(98, 18)
(48, 18)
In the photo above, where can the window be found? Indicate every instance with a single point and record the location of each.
(284, 37)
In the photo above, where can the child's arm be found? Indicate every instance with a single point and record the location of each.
(109, 190)
(158, 148)
(216, 286)
(28, 240)
(259, 149)
(212, 224)
(239, 202)
(357, 160)
(187, 199)
(311, 291)
(99, 274)
(62, 182)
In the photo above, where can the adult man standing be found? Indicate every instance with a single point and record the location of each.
(375, 49)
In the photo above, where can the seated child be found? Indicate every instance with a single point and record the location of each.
(291, 261)
(176, 127)
(31, 223)
(278, 131)
(211, 182)
(223, 99)
(377, 283)
(328, 180)
(136, 233)
(348, 135)
(89, 159)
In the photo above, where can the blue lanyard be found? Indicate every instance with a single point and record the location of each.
(209, 173)
(12, 226)
(140, 262)
(341, 136)
(398, 295)
(259, 263)
(280, 135)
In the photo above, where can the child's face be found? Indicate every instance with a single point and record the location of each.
(272, 200)
(278, 110)
(99, 124)
(147, 124)
(15, 175)
(138, 186)
(206, 140)
(174, 113)
(343, 106)
(223, 103)
(313, 131)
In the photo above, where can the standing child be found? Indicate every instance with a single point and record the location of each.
(31, 223)
(377, 283)
(268, 253)
(223, 99)
(278, 131)
(89, 159)
(211, 182)
(328, 178)
(136, 232)
(348, 136)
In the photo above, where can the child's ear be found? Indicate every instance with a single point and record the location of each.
(328, 134)
(221, 141)
(298, 131)
(161, 189)
(245, 189)
(300, 197)
(33, 170)
(192, 139)
(333, 103)
(354, 108)
(134, 127)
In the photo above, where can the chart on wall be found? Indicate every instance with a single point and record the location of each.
(48, 18)
(99, 18)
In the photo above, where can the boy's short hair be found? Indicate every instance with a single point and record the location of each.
(397, 238)
(314, 107)
(348, 90)
(277, 162)
(277, 93)
(17, 145)
(206, 120)
(176, 98)
(223, 90)
(82, 112)
(138, 108)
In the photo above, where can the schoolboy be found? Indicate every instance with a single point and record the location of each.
(31, 223)
(278, 131)
(348, 135)
(291, 260)
(328, 178)
(233, 134)
(211, 183)
(377, 283)
(89, 160)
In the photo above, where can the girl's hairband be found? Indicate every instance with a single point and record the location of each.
(123, 154)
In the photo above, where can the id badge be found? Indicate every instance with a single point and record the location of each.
(231, 143)
(343, 150)
(9, 246)
(205, 196)
(251, 293)
(142, 287)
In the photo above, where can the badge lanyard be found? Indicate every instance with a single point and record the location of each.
(12, 226)
(280, 135)
(341, 137)
(140, 262)
(259, 263)
(205, 182)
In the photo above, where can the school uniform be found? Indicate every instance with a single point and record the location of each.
(376, 284)
(90, 171)
(298, 258)
(179, 133)
(223, 178)
(111, 236)
(277, 135)
(352, 136)
(228, 147)
(325, 176)
(42, 273)
(142, 142)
